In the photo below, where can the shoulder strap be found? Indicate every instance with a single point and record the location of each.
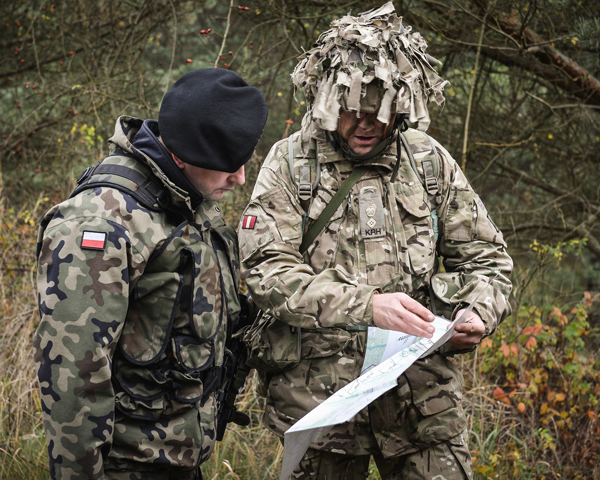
(332, 206)
(431, 168)
(305, 186)
(145, 188)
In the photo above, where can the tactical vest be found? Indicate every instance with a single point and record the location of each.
(306, 174)
(171, 350)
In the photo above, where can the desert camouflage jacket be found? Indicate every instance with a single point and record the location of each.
(134, 305)
(384, 237)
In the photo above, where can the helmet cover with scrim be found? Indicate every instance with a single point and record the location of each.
(369, 62)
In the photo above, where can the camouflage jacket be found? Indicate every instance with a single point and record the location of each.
(326, 293)
(133, 326)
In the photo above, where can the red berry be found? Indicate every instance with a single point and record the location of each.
(202, 32)
(246, 8)
(208, 31)
(35, 86)
(230, 52)
(18, 105)
(93, 59)
(71, 52)
(22, 60)
(189, 60)
(225, 64)
(21, 40)
(62, 63)
(222, 58)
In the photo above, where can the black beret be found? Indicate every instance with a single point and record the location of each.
(213, 119)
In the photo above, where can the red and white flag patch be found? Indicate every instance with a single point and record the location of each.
(248, 222)
(93, 240)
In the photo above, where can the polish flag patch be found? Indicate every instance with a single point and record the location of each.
(248, 222)
(93, 240)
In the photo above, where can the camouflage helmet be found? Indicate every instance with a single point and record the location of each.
(367, 63)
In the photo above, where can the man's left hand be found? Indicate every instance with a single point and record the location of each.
(469, 333)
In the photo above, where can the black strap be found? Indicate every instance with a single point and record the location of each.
(150, 192)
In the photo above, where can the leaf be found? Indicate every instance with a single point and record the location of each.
(531, 343)
(544, 409)
(533, 330)
(515, 348)
(521, 407)
(591, 415)
(560, 397)
(504, 349)
(551, 396)
(498, 393)
(486, 342)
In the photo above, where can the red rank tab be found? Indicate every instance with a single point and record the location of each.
(93, 240)
(248, 222)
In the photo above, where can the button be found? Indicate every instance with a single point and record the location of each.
(217, 209)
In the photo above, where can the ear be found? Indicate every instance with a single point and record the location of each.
(180, 164)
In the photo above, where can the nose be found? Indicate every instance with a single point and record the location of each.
(367, 120)
(238, 177)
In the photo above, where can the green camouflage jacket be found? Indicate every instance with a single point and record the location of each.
(384, 237)
(134, 305)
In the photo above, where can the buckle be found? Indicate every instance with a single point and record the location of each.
(84, 175)
(304, 191)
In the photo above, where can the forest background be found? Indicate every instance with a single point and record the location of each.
(522, 118)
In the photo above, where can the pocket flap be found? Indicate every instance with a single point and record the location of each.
(324, 342)
(412, 198)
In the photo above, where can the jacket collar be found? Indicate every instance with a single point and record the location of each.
(137, 137)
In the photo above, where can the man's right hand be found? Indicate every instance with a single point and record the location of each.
(397, 311)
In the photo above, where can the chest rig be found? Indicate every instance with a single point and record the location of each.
(171, 351)
(306, 176)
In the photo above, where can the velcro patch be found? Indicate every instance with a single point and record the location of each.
(248, 222)
(93, 240)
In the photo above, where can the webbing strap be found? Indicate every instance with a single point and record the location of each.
(317, 227)
(121, 171)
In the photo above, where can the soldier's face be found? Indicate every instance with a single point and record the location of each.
(210, 183)
(362, 133)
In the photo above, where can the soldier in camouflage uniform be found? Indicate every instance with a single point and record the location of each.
(137, 283)
(376, 262)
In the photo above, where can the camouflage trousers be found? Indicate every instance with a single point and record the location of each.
(158, 474)
(444, 461)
